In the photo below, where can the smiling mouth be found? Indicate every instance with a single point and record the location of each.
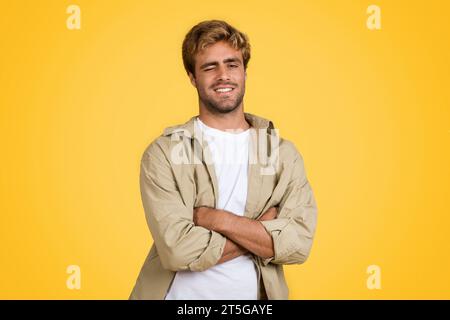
(223, 90)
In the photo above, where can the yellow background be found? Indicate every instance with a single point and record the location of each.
(369, 111)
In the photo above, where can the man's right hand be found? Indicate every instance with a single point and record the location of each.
(270, 214)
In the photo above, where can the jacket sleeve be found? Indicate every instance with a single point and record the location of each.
(293, 230)
(180, 244)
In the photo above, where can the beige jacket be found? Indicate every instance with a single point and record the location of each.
(172, 184)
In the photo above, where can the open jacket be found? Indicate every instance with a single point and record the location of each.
(173, 184)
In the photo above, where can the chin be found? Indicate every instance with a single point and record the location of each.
(226, 109)
(221, 106)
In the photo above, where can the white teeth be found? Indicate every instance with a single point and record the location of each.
(224, 89)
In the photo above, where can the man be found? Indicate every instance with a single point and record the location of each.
(226, 199)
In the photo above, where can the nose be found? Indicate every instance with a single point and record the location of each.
(222, 73)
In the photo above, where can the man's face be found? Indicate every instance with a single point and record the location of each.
(219, 77)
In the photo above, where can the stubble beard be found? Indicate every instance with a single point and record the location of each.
(224, 106)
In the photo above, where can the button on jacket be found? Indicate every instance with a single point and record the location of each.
(177, 175)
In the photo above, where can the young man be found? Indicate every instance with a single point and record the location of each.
(226, 199)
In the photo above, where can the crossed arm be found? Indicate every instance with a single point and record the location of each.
(243, 234)
(188, 242)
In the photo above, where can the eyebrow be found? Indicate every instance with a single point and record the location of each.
(215, 63)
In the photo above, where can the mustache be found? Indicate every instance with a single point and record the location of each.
(224, 83)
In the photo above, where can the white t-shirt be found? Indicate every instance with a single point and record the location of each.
(236, 279)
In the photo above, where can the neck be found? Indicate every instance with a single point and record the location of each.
(233, 120)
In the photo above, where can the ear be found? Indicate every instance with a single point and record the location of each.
(192, 78)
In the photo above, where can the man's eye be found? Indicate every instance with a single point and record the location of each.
(233, 65)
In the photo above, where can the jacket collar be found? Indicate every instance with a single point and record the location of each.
(187, 128)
